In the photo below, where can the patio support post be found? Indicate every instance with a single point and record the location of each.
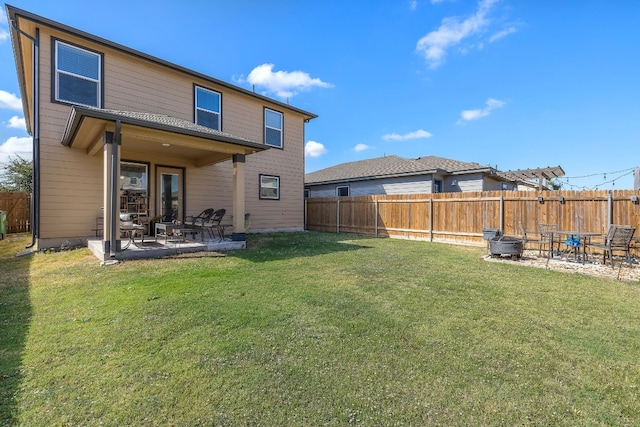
(111, 141)
(238, 198)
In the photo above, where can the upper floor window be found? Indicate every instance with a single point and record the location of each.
(208, 108)
(78, 75)
(273, 128)
(342, 190)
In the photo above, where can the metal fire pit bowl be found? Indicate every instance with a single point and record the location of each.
(506, 245)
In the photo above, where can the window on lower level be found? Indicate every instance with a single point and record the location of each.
(134, 197)
(208, 108)
(270, 187)
(437, 186)
(78, 75)
(342, 190)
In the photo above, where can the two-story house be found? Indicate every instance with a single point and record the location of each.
(114, 127)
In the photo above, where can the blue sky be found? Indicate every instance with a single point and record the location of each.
(517, 84)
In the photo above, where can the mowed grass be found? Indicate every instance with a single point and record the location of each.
(314, 329)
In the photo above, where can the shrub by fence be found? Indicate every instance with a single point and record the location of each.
(460, 217)
(18, 208)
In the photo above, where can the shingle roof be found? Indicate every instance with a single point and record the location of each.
(449, 165)
(389, 166)
(152, 121)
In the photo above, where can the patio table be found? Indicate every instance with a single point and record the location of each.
(167, 229)
(584, 239)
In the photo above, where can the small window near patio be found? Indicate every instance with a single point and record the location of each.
(78, 75)
(273, 128)
(270, 187)
(208, 108)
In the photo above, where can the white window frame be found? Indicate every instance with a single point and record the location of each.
(267, 127)
(196, 108)
(340, 187)
(277, 187)
(57, 72)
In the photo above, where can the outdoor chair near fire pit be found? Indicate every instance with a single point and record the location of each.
(618, 239)
(526, 237)
(548, 236)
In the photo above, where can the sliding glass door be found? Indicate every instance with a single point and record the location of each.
(169, 184)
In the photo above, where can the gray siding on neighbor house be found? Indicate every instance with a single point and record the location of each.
(404, 185)
(495, 185)
(465, 183)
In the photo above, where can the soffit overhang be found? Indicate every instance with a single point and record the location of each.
(153, 134)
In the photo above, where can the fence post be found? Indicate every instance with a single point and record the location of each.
(431, 219)
(609, 210)
(338, 217)
(376, 222)
(502, 214)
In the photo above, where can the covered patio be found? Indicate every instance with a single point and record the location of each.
(151, 248)
(113, 133)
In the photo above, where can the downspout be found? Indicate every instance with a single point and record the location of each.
(35, 174)
(115, 144)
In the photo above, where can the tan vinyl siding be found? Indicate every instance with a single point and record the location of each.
(72, 181)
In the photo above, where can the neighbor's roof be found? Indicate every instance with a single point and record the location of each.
(390, 167)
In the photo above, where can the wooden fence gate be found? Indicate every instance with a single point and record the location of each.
(18, 208)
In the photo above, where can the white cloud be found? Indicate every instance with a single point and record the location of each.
(361, 147)
(407, 136)
(4, 34)
(16, 122)
(10, 101)
(284, 84)
(413, 4)
(503, 33)
(16, 146)
(490, 105)
(314, 149)
(453, 31)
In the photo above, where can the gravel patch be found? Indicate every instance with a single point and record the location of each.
(629, 271)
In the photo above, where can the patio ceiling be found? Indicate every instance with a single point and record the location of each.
(153, 134)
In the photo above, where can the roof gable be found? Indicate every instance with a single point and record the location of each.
(16, 15)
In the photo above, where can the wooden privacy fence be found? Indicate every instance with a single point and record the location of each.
(18, 208)
(460, 217)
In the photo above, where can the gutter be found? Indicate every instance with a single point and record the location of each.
(35, 177)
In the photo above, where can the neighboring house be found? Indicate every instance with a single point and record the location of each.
(116, 129)
(397, 175)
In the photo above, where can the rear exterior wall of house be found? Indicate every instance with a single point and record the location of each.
(71, 189)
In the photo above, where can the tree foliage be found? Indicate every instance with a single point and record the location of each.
(17, 175)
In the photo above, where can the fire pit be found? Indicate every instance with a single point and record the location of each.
(505, 245)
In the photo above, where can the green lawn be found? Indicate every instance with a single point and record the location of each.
(314, 329)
